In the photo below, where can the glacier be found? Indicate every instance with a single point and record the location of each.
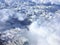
(29, 22)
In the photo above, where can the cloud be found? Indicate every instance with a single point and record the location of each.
(47, 1)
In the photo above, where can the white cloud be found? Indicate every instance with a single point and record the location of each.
(46, 1)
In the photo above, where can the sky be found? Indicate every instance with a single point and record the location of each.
(46, 1)
(44, 27)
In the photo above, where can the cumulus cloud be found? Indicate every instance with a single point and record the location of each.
(42, 21)
(47, 1)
